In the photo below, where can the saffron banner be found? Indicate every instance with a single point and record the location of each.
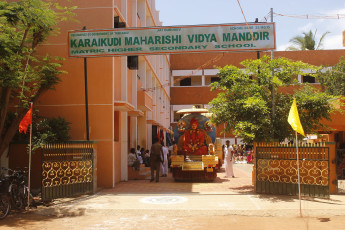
(27, 120)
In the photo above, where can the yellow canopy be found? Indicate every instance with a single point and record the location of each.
(192, 110)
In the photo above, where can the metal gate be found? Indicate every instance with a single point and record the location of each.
(340, 164)
(67, 169)
(276, 170)
(340, 170)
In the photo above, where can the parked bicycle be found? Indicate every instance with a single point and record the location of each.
(14, 191)
(5, 201)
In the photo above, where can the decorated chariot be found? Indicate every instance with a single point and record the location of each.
(196, 157)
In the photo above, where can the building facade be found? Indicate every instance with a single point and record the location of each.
(128, 97)
(192, 75)
(132, 99)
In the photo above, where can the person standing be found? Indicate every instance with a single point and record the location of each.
(156, 157)
(229, 159)
(164, 164)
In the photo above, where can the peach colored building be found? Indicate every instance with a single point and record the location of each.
(125, 105)
(192, 75)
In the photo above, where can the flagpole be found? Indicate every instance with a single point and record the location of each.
(299, 182)
(29, 173)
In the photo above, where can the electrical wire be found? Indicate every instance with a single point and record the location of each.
(310, 16)
(264, 19)
(239, 4)
(209, 62)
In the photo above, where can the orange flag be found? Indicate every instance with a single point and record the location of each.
(27, 120)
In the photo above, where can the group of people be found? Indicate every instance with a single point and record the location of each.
(233, 153)
(157, 158)
(160, 159)
(243, 153)
(138, 157)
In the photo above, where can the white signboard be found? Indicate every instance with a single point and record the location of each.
(172, 39)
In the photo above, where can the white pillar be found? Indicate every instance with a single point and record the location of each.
(203, 78)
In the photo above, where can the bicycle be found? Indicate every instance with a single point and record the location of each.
(14, 192)
(5, 201)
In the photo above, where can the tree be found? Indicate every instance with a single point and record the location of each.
(254, 106)
(333, 79)
(25, 75)
(46, 130)
(307, 41)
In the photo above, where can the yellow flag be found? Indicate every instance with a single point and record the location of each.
(293, 119)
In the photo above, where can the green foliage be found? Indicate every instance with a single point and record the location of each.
(24, 25)
(24, 73)
(46, 130)
(253, 106)
(333, 79)
(51, 130)
(307, 41)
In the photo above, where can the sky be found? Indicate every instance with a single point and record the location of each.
(196, 12)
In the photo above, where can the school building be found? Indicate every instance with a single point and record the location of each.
(192, 75)
(131, 99)
(128, 97)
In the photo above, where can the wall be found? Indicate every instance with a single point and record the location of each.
(112, 87)
(195, 61)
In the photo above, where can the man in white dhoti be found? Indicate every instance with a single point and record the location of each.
(164, 164)
(229, 159)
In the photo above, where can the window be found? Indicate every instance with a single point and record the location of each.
(308, 79)
(132, 62)
(211, 79)
(214, 79)
(186, 82)
(117, 23)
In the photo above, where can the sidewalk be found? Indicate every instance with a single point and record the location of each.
(228, 196)
(139, 204)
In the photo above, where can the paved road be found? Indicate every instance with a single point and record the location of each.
(224, 203)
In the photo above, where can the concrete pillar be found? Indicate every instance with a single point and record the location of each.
(124, 148)
(149, 136)
(133, 132)
(142, 133)
(142, 12)
(124, 8)
(124, 78)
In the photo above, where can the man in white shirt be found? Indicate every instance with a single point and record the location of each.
(229, 159)
(164, 164)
